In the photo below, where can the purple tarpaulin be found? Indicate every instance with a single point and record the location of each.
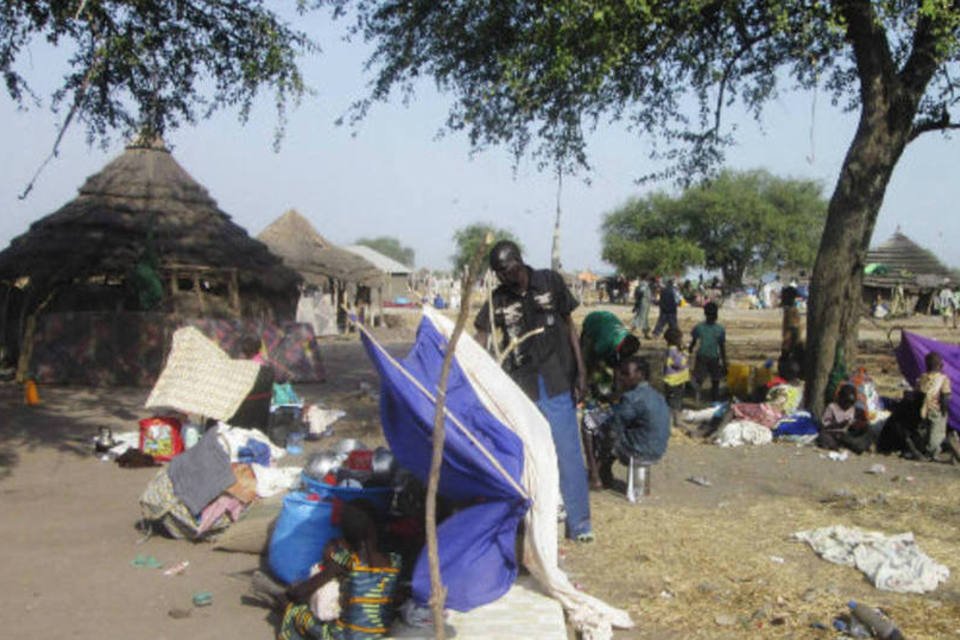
(912, 350)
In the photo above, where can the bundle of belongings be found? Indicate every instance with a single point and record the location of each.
(852, 420)
(206, 488)
(214, 475)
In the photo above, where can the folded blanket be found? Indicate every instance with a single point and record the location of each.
(201, 473)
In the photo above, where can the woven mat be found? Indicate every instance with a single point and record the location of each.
(201, 378)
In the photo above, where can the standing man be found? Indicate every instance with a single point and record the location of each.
(547, 366)
(641, 306)
(668, 310)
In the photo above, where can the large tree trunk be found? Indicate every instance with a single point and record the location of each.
(835, 292)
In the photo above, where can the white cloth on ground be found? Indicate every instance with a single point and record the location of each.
(740, 432)
(321, 420)
(699, 415)
(236, 438)
(892, 563)
(274, 480)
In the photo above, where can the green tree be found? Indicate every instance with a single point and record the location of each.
(753, 220)
(731, 223)
(390, 247)
(470, 239)
(151, 65)
(643, 237)
(538, 76)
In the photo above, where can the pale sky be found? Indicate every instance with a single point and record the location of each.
(392, 176)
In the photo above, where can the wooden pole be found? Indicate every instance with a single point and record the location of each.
(438, 592)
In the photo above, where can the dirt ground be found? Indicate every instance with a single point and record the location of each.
(689, 562)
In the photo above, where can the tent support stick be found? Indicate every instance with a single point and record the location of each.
(438, 593)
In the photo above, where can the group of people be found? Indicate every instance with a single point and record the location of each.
(559, 367)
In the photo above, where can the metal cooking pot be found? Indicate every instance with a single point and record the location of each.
(322, 463)
(384, 465)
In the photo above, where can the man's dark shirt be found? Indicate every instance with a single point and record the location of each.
(668, 300)
(547, 303)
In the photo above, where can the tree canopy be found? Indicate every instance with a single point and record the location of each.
(732, 223)
(390, 247)
(537, 77)
(152, 65)
(470, 239)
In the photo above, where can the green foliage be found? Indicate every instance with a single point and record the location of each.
(538, 76)
(391, 248)
(735, 222)
(146, 66)
(470, 239)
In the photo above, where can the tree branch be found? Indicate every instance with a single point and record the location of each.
(871, 48)
(926, 126)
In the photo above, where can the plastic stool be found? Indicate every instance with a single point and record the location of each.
(638, 478)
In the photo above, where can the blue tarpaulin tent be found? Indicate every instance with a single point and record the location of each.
(498, 460)
(482, 466)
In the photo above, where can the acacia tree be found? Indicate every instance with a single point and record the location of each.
(731, 223)
(537, 76)
(390, 247)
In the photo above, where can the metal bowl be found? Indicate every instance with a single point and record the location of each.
(384, 465)
(320, 464)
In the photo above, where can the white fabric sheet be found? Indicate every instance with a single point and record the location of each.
(892, 563)
(504, 399)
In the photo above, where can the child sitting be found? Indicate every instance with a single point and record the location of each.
(639, 425)
(676, 372)
(841, 426)
(712, 353)
(368, 578)
(934, 386)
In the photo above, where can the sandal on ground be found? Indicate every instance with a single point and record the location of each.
(586, 538)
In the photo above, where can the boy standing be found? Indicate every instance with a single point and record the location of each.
(712, 352)
(640, 424)
(676, 372)
(934, 387)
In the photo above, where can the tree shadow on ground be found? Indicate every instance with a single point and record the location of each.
(66, 419)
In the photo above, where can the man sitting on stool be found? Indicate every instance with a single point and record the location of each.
(639, 426)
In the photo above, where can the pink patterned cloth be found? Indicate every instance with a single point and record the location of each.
(225, 503)
(760, 412)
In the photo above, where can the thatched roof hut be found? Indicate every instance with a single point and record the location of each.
(902, 261)
(81, 257)
(303, 249)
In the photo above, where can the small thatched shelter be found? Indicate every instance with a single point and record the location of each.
(347, 278)
(303, 249)
(901, 261)
(142, 235)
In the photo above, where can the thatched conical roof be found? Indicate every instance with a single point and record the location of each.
(103, 231)
(303, 249)
(901, 260)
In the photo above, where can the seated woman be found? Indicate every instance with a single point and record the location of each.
(368, 580)
(842, 425)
